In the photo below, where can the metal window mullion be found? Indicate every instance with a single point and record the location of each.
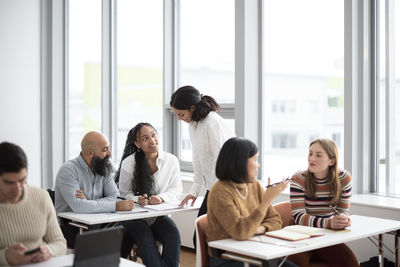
(108, 105)
(375, 101)
(390, 96)
(171, 47)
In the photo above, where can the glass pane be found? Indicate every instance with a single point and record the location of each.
(84, 70)
(389, 184)
(382, 101)
(139, 67)
(304, 81)
(396, 32)
(208, 47)
(186, 145)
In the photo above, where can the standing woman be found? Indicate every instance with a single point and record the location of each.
(208, 132)
(320, 197)
(150, 177)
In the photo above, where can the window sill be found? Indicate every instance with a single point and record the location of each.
(187, 176)
(367, 200)
(370, 200)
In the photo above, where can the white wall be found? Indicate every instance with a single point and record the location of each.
(20, 79)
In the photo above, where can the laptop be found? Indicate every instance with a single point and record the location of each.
(99, 248)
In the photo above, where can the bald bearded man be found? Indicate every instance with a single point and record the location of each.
(85, 184)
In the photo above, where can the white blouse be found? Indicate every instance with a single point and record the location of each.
(207, 136)
(167, 179)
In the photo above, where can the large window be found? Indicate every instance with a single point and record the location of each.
(139, 67)
(207, 55)
(303, 77)
(84, 71)
(388, 97)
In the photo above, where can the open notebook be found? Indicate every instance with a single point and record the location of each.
(159, 207)
(296, 232)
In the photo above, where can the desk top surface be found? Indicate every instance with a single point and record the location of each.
(99, 218)
(267, 248)
(68, 260)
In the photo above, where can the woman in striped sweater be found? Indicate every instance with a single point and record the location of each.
(320, 197)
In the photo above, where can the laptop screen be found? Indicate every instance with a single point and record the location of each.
(99, 247)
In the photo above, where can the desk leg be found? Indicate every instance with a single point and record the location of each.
(381, 259)
(396, 247)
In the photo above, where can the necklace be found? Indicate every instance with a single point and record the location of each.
(240, 195)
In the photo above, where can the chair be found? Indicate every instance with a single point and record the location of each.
(285, 210)
(51, 194)
(201, 244)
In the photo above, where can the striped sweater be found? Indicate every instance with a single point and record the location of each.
(33, 222)
(317, 212)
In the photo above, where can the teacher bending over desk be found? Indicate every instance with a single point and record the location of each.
(150, 177)
(238, 205)
(320, 197)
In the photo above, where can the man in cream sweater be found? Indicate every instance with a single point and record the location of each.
(28, 219)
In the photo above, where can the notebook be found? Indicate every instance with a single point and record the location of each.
(99, 248)
(295, 232)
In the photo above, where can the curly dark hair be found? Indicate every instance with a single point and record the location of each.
(143, 180)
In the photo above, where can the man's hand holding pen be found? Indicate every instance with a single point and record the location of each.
(339, 221)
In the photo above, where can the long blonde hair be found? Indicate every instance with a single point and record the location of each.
(331, 149)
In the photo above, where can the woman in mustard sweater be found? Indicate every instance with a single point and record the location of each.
(238, 205)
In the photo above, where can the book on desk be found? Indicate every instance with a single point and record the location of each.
(295, 232)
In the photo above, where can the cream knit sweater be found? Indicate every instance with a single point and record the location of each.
(32, 222)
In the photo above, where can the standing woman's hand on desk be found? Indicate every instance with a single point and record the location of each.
(125, 205)
(186, 199)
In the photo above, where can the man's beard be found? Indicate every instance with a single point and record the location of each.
(100, 166)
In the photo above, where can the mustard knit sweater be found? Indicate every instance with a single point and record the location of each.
(32, 222)
(230, 216)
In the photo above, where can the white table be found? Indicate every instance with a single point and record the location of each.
(88, 219)
(362, 227)
(68, 260)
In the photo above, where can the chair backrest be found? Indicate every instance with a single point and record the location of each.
(201, 243)
(285, 210)
(52, 194)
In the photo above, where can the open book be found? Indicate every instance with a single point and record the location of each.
(296, 232)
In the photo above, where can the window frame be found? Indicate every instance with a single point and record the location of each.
(361, 106)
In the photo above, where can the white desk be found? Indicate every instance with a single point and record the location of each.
(68, 260)
(100, 218)
(362, 227)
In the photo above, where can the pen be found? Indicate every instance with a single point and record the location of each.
(122, 198)
(286, 180)
(334, 210)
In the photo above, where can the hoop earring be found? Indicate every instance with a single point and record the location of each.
(139, 149)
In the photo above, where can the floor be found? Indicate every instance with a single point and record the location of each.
(188, 257)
